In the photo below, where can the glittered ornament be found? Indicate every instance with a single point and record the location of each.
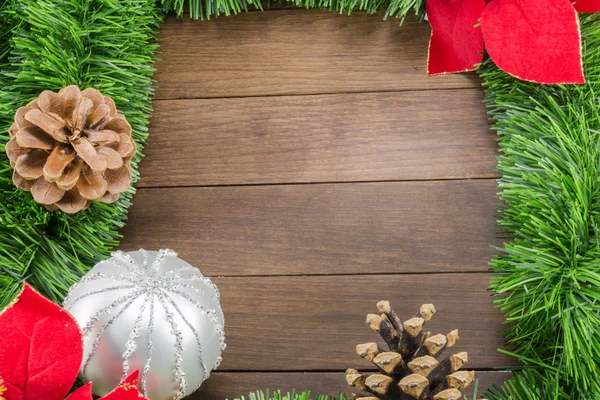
(148, 311)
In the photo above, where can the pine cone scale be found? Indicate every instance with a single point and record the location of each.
(50, 102)
(118, 180)
(45, 192)
(22, 183)
(91, 185)
(72, 202)
(71, 98)
(70, 175)
(99, 118)
(112, 158)
(14, 151)
(20, 121)
(57, 161)
(95, 96)
(49, 123)
(71, 147)
(119, 124)
(88, 153)
(125, 146)
(104, 136)
(31, 165)
(34, 138)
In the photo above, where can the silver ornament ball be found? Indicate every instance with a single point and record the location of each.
(152, 312)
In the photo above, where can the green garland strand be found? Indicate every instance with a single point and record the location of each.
(106, 44)
(200, 9)
(278, 395)
(547, 280)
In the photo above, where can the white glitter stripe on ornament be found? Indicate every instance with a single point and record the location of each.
(198, 340)
(211, 314)
(98, 336)
(132, 342)
(119, 287)
(179, 374)
(150, 350)
(148, 311)
(106, 310)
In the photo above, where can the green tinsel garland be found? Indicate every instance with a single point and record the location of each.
(278, 395)
(106, 44)
(200, 9)
(548, 276)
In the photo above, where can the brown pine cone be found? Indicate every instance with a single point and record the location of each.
(412, 369)
(71, 147)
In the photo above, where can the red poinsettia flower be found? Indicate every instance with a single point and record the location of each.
(41, 351)
(533, 40)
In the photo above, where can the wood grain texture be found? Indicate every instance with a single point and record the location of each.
(230, 385)
(340, 99)
(326, 138)
(444, 226)
(314, 323)
(295, 52)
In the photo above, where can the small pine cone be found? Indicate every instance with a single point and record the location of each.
(412, 368)
(71, 147)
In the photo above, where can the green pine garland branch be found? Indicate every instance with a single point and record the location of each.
(106, 44)
(306, 395)
(9, 22)
(293, 395)
(547, 280)
(200, 9)
(530, 384)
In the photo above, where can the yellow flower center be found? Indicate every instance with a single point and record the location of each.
(2, 389)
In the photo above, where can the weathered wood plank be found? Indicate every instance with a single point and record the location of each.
(443, 226)
(315, 323)
(326, 138)
(295, 52)
(230, 385)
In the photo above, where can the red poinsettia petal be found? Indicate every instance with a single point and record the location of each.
(534, 40)
(83, 393)
(587, 6)
(127, 390)
(456, 44)
(41, 348)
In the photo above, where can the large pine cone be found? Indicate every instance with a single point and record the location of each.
(411, 370)
(71, 147)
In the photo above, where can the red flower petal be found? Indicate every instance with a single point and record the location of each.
(41, 348)
(587, 6)
(456, 45)
(534, 40)
(83, 393)
(127, 390)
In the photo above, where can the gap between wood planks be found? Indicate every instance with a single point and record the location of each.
(492, 177)
(294, 94)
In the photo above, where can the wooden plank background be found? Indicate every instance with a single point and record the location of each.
(304, 161)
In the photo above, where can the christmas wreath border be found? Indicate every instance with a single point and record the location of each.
(547, 278)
